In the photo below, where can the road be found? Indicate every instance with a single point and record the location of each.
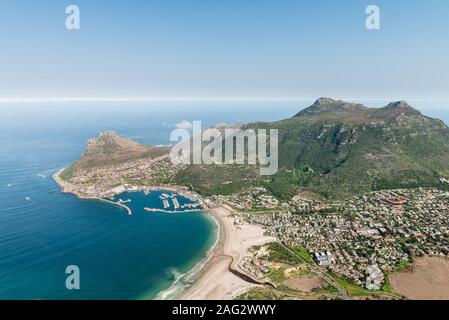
(314, 269)
(318, 272)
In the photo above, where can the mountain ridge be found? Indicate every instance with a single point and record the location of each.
(333, 148)
(339, 149)
(339, 110)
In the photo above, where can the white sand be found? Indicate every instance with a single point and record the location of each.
(217, 282)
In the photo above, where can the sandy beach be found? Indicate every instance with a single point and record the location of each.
(217, 282)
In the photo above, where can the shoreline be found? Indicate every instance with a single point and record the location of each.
(217, 276)
(221, 278)
(180, 190)
(191, 276)
(63, 187)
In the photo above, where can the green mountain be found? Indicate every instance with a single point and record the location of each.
(334, 149)
(339, 149)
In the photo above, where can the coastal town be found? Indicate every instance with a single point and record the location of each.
(333, 245)
(362, 240)
(109, 180)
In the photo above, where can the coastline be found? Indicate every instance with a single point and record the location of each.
(64, 189)
(221, 278)
(216, 276)
(184, 281)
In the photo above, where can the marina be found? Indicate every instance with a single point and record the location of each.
(194, 204)
(170, 202)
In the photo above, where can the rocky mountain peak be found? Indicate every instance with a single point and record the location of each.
(397, 109)
(328, 108)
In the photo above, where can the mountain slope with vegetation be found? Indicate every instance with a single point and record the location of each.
(338, 149)
(333, 148)
(109, 149)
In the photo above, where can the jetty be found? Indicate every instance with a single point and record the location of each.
(117, 204)
(172, 211)
(175, 203)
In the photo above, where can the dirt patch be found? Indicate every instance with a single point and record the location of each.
(428, 280)
(303, 284)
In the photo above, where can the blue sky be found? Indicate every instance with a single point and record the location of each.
(229, 49)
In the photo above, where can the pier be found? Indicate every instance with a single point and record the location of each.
(172, 211)
(117, 204)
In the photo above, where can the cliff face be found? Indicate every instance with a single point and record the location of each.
(109, 149)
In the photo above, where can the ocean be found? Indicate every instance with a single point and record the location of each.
(143, 256)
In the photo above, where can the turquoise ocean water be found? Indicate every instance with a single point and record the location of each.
(120, 257)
